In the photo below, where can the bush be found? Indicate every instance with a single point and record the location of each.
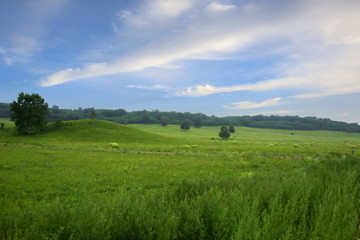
(59, 123)
(224, 132)
(185, 124)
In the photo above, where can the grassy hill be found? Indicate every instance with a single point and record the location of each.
(260, 139)
(164, 183)
(85, 133)
(7, 122)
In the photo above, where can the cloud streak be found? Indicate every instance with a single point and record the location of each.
(320, 44)
(250, 105)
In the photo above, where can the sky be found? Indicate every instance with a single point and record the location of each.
(218, 57)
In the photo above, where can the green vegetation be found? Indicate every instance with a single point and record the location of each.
(224, 132)
(29, 113)
(164, 120)
(231, 129)
(195, 119)
(185, 124)
(110, 181)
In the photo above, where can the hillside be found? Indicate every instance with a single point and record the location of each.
(199, 119)
(82, 132)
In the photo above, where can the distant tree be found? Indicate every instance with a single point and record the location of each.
(224, 132)
(54, 113)
(59, 123)
(146, 118)
(29, 113)
(231, 129)
(2, 126)
(93, 116)
(198, 122)
(164, 120)
(185, 124)
(4, 110)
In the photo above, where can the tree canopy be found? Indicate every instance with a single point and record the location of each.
(164, 120)
(185, 124)
(231, 129)
(29, 113)
(154, 117)
(224, 132)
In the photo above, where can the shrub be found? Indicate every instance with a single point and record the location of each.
(59, 123)
(185, 124)
(224, 132)
(114, 145)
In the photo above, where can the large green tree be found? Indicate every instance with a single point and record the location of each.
(224, 132)
(29, 113)
(164, 120)
(198, 122)
(231, 129)
(185, 124)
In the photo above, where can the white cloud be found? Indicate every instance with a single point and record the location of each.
(154, 12)
(344, 114)
(158, 55)
(155, 87)
(203, 90)
(217, 7)
(320, 40)
(21, 51)
(23, 40)
(167, 8)
(278, 112)
(249, 104)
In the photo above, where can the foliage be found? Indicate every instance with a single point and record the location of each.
(198, 122)
(185, 124)
(4, 110)
(137, 117)
(2, 126)
(164, 120)
(109, 181)
(59, 123)
(146, 119)
(231, 129)
(93, 115)
(224, 132)
(29, 113)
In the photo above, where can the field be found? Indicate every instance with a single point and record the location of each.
(110, 181)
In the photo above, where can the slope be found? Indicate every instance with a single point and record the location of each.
(86, 132)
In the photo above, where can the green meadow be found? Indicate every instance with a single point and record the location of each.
(104, 180)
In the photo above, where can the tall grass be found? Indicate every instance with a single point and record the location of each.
(321, 202)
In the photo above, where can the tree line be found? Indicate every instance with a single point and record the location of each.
(194, 119)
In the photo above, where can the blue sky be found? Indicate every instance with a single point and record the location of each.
(218, 57)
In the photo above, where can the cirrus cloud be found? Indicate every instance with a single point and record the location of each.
(250, 105)
(320, 43)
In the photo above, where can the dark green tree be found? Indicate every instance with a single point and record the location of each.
(93, 116)
(231, 129)
(164, 120)
(198, 122)
(146, 119)
(224, 132)
(29, 113)
(2, 126)
(59, 123)
(185, 124)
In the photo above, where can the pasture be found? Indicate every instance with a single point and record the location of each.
(110, 181)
